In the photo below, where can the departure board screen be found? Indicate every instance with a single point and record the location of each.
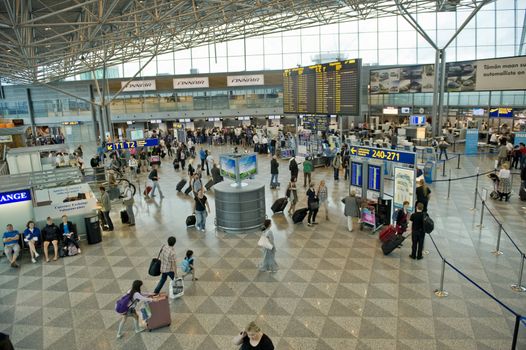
(329, 88)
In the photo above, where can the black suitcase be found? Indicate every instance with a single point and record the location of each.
(522, 194)
(190, 221)
(279, 205)
(299, 215)
(391, 244)
(273, 186)
(124, 217)
(180, 185)
(209, 185)
(176, 165)
(188, 190)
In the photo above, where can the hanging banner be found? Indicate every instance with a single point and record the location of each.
(501, 74)
(139, 85)
(404, 187)
(245, 80)
(519, 137)
(132, 144)
(472, 141)
(191, 83)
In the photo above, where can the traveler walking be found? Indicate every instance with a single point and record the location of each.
(293, 167)
(168, 263)
(253, 338)
(274, 171)
(154, 177)
(313, 205)
(307, 171)
(323, 196)
(442, 146)
(351, 209)
(336, 163)
(292, 195)
(128, 202)
(130, 299)
(269, 254)
(106, 207)
(201, 210)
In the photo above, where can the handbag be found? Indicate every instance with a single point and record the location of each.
(155, 265)
(264, 242)
(314, 205)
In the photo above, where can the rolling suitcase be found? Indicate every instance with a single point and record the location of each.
(188, 190)
(190, 221)
(387, 233)
(176, 165)
(522, 194)
(392, 244)
(275, 185)
(180, 185)
(299, 215)
(160, 317)
(209, 185)
(124, 217)
(279, 205)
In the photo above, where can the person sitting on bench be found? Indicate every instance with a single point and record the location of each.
(68, 233)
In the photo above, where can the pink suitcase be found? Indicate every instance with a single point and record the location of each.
(160, 314)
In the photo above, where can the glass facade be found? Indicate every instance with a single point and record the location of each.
(494, 32)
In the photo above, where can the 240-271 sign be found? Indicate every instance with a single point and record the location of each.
(15, 196)
(383, 154)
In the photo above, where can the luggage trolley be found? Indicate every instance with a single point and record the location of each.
(369, 220)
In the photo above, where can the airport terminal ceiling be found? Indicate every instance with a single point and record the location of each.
(48, 40)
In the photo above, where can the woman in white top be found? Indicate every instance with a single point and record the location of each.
(504, 182)
(323, 196)
(135, 296)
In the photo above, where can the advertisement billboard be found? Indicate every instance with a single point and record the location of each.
(247, 166)
(481, 75)
(227, 166)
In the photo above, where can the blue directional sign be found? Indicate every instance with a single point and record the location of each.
(374, 177)
(132, 144)
(383, 154)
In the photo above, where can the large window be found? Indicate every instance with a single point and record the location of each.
(494, 32)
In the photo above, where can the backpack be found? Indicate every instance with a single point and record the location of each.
(72, 250)
(185, 264)
(395, 215)
(122, 304)
(429, 224)
(442, 145)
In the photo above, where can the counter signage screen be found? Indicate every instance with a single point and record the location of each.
(330, 88)
(316, 122)
(247, 166)
(501, 113)
(228, 167)
(137, 135)
(417, 120)
(356, 174)
(374, 177)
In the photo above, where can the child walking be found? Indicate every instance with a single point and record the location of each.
(188, 265)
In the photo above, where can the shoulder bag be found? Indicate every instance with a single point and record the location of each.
(264, 242)
(155, 265)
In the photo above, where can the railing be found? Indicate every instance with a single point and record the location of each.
(4, 169)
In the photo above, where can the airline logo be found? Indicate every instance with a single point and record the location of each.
(246, 80)
(191, 83)
(139, 85)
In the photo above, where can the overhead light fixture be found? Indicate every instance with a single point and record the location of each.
(47, 28)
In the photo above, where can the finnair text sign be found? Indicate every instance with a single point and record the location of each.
(246, 80)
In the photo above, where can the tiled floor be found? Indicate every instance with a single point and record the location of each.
(334, 289)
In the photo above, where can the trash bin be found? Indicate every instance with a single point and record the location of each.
(93, 229)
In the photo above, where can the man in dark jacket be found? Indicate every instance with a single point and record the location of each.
(216, 174)
(418, 235)
(274, 171)
(293, 167)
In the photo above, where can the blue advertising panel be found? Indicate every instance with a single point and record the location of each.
(248, 166)
(356, 174)
(519, 137)
(227, 167)
(383, 154)
(472, 141)
(374, 177)
(132, 144)
(15, 196)
(501, 113)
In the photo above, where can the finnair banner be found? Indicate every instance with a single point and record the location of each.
(139, 85)
(245, 80)
(191, 83)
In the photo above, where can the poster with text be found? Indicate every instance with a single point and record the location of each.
(69, 200)
(502, 74)
(404, 187)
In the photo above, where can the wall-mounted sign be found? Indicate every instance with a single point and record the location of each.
(6, 138)
(390, 110)
(191, 83)
(383, 154)
(245, 80)
(501, 112)
(139, 85)
(132, 144)
(404, 187)
(15, 196)
(70, 123)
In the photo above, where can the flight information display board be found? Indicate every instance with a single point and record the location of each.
(316, 122)
(329, 88)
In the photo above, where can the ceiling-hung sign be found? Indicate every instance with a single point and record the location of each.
(139, 85)
(191, 83)
(245, 80)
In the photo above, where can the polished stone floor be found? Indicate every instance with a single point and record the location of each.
(334, 290)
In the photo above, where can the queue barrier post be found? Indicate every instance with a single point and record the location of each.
(516, 332)
(476, 192)
(497, 251)
(481, 225)
(444, 168)
(441, 293)
(449, 184)
(519, 287)
(458, 161)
